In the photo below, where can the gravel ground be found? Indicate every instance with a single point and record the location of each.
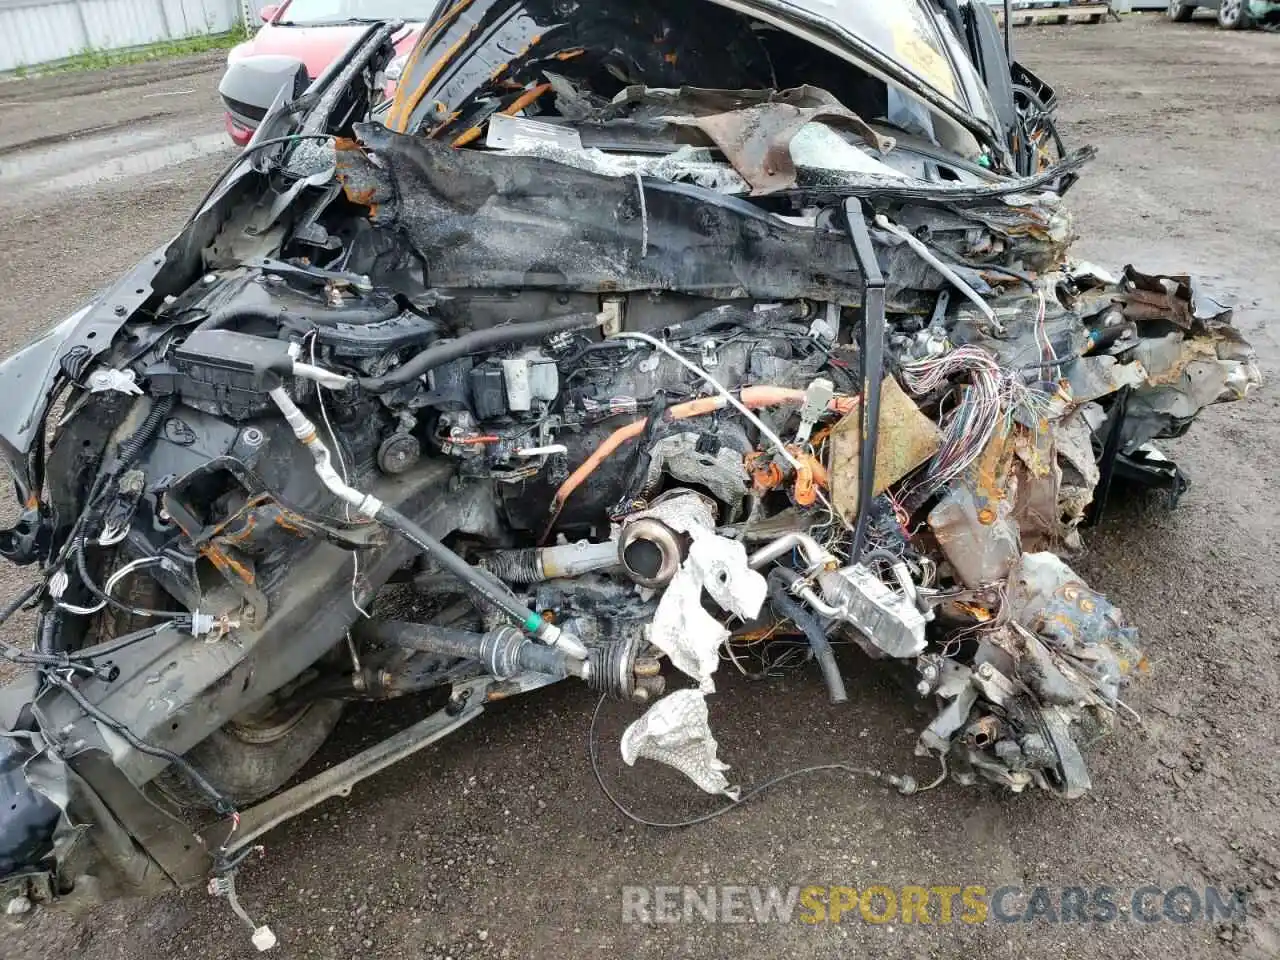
(499, 844)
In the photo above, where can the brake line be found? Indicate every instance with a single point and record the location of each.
(488, 588)
(905, 784)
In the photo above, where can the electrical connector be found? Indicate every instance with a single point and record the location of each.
(817, 397)
(203, 624)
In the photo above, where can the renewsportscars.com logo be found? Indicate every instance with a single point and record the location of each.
(940, 904)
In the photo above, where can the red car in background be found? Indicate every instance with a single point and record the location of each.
(316, 31)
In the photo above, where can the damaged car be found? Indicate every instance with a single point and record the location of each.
(620, 338)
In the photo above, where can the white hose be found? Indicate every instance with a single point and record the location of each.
(305, 431)
(321, 375)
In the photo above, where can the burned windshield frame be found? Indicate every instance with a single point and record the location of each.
(879, 45)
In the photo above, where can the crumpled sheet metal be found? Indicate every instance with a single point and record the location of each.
(676, 731)
(1173, 374)
(1170, 297)
(689, 164)
(640, 102)
(93, 855)
(753, 128)
(974, 522)
(757, 140)
(1056, 473)
(1185, 374)
(1077, 473)
(1052, 601)
(1090, 378)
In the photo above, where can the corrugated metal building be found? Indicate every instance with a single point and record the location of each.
(38, 31)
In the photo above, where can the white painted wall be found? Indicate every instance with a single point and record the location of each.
(38, 31)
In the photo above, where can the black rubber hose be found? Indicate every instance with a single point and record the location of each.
(888, 556)
(788, 606)
(477, 341)
(236, 313)
(484, 585)
(733, 315)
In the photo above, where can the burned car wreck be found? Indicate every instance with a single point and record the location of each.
(621, 335)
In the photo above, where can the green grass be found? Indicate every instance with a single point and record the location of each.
(164, 50)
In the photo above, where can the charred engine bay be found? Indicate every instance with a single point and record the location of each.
(613, 362)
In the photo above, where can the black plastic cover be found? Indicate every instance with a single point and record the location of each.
(486, 220)
(27, 818)
(236, 360)
(488, 392)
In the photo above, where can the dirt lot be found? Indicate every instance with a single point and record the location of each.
(500, 845)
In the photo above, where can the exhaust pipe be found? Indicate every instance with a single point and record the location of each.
(650, 552)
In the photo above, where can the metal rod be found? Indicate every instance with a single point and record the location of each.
(1008, 31)
(338, 780)
(872, 350)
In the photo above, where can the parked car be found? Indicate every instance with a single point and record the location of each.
(1232, 14)
(316, 32)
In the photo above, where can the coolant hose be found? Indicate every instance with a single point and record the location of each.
(477, 341)
(788, 606)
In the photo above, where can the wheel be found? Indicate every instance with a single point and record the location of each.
(252, 755)
(255, 753)
(1180, 12)
(1232, 15)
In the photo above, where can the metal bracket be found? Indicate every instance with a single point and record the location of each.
(121, 381)
(872, 349)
